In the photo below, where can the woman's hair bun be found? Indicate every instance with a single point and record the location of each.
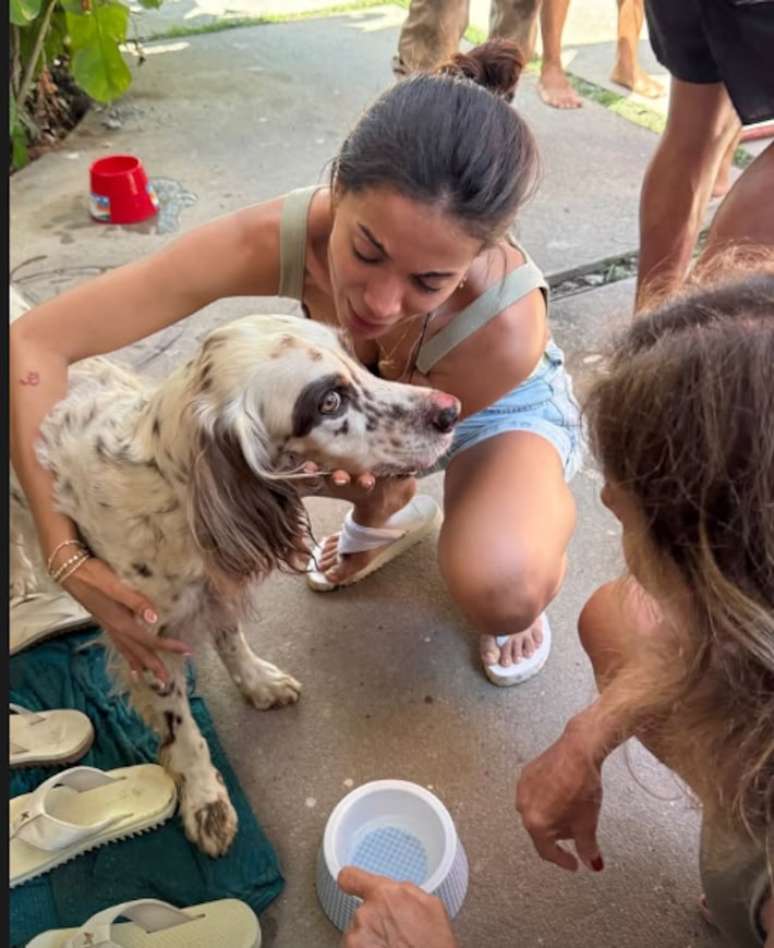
(496, 65)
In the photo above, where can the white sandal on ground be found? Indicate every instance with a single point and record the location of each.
(81, 809)
(42, 616)
(227, 922)
(405, 528)
(526, 668)
(47, 738)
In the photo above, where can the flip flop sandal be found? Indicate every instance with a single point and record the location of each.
(47, 738)
(405, 528)
(154, 924)
(81, 809)
(42, 616)
(521, 671)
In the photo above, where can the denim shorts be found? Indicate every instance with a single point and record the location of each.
(543, 404)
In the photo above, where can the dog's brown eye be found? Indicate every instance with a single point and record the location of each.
(331, 403)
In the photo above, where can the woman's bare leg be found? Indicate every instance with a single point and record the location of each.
(509, 516)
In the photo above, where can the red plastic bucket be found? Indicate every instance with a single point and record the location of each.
(120, 190)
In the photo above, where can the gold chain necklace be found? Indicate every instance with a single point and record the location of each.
(387, 358)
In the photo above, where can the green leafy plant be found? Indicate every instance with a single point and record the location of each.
(85, 36)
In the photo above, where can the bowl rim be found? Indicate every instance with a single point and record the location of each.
(102, 167)
(434, 881)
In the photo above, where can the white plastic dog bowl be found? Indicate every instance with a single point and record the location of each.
(393, 828)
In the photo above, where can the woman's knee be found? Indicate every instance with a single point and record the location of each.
(614, 613)
(501, 592)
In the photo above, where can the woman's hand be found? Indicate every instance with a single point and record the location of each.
(126, 615)
(394, 914)
(559, 796)
(339, 485)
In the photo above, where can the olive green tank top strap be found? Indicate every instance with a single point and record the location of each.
(293, 227)
(514, 286)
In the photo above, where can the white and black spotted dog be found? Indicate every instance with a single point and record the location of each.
(180, 487)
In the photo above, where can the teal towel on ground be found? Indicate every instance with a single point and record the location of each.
(162, 864)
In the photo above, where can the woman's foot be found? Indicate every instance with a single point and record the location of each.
(513, 659)
(357, 551)
(337, 568)
(635, 78)
(518, 646)
(555, 89)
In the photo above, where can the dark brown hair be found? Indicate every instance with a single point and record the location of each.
(683, 422)
(449, 139)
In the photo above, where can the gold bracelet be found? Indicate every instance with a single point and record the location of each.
(76, 566)
(61, 546)
(73, 559)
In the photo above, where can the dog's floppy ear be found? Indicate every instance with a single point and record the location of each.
(247, 523)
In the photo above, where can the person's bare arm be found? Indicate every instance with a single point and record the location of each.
(496, 358)
(678, 183)
(233, 256)
(559, 794)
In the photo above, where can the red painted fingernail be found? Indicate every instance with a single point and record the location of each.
(597, 864)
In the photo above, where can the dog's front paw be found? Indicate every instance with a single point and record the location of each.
(208, 816)
(266, 686)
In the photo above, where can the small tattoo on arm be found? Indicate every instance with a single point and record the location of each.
(31, 378)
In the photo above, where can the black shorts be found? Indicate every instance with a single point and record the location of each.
(728, 41)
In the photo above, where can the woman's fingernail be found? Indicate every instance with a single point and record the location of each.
(597, 864)
(134, 675)
(150, 617)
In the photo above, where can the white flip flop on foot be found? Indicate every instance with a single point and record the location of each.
(526, 668)
(47, 738)
(42, 616)
(405, 528)
(81, 809)
(155, 924)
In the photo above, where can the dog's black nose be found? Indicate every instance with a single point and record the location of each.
(445, 412)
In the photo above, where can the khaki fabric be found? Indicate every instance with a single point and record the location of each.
(293, 226)
(432, 31)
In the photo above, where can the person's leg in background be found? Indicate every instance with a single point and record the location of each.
(723, 180)
(430, 35)
(746, 215)
(701, 125)
(627, 70)
(554, 86)
(515, 20)
(719, 56)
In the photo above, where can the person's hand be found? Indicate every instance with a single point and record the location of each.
(338, 484)
(394, 914)
(126, 615)
(559, 796)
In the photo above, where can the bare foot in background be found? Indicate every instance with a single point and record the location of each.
(635, 78)
(627, 71)
(555, 89)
